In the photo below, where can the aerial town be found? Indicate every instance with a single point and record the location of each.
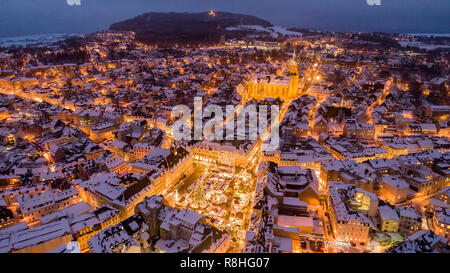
(89, 162)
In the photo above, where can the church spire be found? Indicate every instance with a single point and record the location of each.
(292, 64)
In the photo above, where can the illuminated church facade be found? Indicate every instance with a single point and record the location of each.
(284, 87)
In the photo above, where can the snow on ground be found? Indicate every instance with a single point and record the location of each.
(37, 39)
(284, 31)
(422, 45)
(430, 34)
(275, 31)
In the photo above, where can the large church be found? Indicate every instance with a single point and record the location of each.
(284, 87)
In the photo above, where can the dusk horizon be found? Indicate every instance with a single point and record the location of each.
(20, 18)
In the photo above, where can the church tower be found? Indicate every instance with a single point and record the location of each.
(293, 66)
(293, 82)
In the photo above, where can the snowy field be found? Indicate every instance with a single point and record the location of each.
(422, 45)
(430, 34)
(36, 40)
(274, 31)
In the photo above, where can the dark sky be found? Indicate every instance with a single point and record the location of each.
(23, 17)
